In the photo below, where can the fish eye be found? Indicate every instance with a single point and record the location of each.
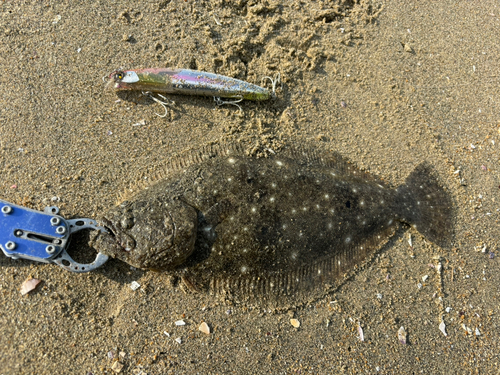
(127, 222)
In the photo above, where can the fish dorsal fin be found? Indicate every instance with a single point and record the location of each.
(309, 154)
(315, 155)
(180, 162)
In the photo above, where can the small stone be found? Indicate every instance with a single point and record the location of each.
(295, 323)
(180, 323)
(402, 335)
(117, 367)
(178, 340)
(442, 328)
(29, 285)
(134, 285)
(467, 329)
(361, 333)
(204, 328)
(407, 47)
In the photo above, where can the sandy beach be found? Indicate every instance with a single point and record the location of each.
(387, 84)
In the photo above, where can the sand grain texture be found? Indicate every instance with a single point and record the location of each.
(386, 84)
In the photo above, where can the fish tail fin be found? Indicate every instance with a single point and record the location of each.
(424, 204)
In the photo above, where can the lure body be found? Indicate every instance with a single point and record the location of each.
(188, 82)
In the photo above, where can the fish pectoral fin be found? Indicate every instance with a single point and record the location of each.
(219, 211)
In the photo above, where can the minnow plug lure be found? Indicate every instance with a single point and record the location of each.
(188, 82)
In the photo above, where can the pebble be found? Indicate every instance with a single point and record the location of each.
(295, 323)
(29, 285)
(467, 329)
(178, 340)
(442, 328)
(204, 328)
(402, 335)
(134, 285)
(117, 367)
(361, 334)
(140, 123)
(180, 323)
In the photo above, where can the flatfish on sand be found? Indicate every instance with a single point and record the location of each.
(279, 230)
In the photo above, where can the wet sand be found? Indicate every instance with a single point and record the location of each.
(386, 84)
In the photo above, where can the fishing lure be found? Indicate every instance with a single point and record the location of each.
(189, 82)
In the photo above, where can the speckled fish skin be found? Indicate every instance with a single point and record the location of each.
(269, 228)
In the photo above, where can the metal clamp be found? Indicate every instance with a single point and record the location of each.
(42, 236)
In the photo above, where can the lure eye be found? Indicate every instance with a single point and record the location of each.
(118, 76)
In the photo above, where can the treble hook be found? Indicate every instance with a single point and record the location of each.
(274, 82)
(149, 94)
(219, 102)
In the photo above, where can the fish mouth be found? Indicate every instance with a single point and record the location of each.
(124, 241)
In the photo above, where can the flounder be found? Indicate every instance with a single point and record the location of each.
(279, 230)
